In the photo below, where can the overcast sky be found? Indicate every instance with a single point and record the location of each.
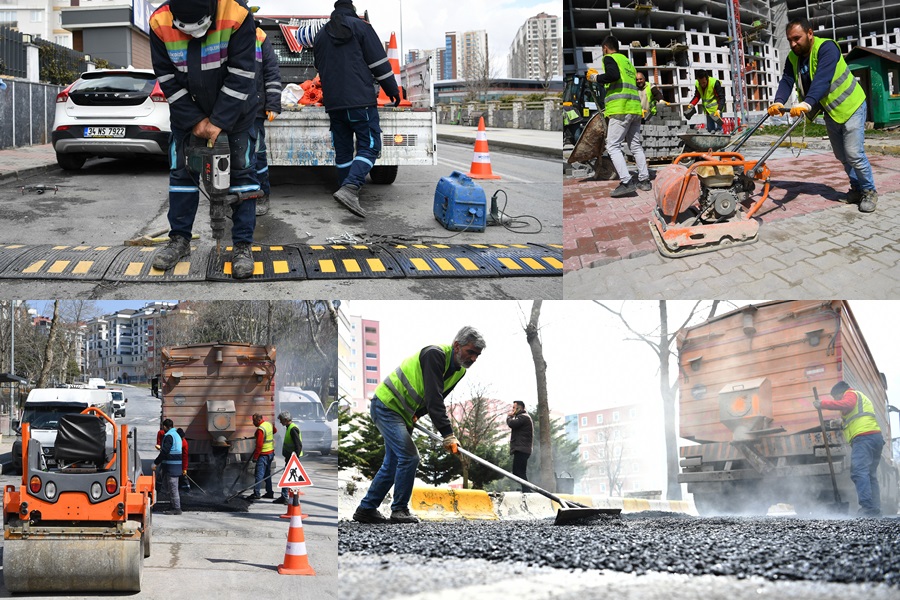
(425, 22)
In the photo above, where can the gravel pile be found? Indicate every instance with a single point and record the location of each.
(778, 549)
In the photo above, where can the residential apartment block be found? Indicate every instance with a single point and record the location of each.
(465, 54)
(359, 360)
(536, 51)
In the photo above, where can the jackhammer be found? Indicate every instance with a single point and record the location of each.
(211, 162)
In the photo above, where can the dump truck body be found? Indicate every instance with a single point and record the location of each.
(301, 135)
(746, 391)
(85, 525)
(212, 391)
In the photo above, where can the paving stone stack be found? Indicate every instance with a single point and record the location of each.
(660, 133)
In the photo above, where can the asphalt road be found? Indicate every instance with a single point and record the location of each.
(643, 555)
(201, 553)
(110, 201)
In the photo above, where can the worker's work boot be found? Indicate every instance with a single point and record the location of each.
(403, 516)
(645, 185)
(369, 515)
(853, 197)
(348, 195)
(624, 189)
(868, 202)
(262, 206)
(176, 249)
(241, 261)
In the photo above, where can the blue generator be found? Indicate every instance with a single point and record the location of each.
(459, 203)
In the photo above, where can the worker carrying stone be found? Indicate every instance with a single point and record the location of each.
(708, 91)
(650, 96)
(816, 68)
(623, 109)
(862, 432)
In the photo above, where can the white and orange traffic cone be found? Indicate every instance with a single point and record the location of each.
(296, 561)
(481, 162)
(393, 55)
(290, 507)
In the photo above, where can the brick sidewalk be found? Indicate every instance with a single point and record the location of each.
(598, 230)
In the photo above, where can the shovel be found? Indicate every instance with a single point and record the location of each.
(252, 485)
(838, 506)
(568, 512)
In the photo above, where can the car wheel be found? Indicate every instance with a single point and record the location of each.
(70, 162)
(383, 174)
(326, 451)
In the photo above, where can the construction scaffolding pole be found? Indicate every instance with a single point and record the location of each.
(738, 81)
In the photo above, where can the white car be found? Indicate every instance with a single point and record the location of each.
(116, 113)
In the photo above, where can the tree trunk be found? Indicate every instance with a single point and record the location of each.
(548, 476)
(47, 367)
(667, 392)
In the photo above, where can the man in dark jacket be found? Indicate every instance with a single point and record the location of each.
(521, 440)
(268, 85)
(170, 460)
(204, 54)
(351, 63)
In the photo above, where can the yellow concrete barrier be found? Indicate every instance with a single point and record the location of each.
(437, 504)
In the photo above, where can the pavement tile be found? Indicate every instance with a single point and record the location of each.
(878, 243)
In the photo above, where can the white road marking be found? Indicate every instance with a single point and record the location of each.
(464, 168)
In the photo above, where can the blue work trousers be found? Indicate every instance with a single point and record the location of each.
(401, 458)
(361, 124)
(262, 159)
(263, 470)
(847, 141)
(184, 190)
(864, 459)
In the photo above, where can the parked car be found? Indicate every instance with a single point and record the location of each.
(119, 401)
(117, 113)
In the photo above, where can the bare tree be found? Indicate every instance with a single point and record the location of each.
(661, 344)
(476, 422)
(609, 455)
(49, 350)
(479, 75)
(532, 335)
(549, 57)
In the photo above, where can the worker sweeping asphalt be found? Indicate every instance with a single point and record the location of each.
(416, 388)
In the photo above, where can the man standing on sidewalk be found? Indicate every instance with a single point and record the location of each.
(521, 440)
(824, 81)
(623, 109)
(350, 60)
(416, 388)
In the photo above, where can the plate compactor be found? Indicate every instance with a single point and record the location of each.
(704, 200)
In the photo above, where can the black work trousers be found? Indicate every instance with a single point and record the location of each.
(520, 467)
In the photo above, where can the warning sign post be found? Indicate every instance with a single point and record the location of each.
(294, 475)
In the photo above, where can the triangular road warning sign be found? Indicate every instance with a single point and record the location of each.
(294, 475)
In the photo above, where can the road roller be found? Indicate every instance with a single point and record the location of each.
(83, 525)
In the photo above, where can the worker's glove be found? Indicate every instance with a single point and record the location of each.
(817, 404)
(592, 74)
(643, 114)
(395, 99)
(717, 117)
(157, 446)
(689, 112)
(776, 110)
(451, 444)
(184, 472)
(271, 114)
(800, 109)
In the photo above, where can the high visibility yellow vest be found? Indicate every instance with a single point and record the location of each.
(861, 419)
(708, 96)
(288, 446)
(269, 439)
(844, 95)
(403, 391)
(622, 96)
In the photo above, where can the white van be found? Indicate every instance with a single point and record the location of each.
(309, 415)
(43, 409)
(96, 383)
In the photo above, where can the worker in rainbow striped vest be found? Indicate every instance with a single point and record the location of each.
(825, 83)
(416, 388)
(204, 55)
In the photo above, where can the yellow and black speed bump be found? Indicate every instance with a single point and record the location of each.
(135, 264)
(526, 260)
(441, 260)
(271, 263)
(342, 261)
(62, 262)
(10, 252)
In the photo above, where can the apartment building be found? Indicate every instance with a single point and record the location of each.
(536, 51)
(359, 360)
(851, 23)
(466, 54)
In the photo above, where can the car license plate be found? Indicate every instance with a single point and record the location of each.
(104, 132)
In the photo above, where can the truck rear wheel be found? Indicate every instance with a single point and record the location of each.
(383, 174)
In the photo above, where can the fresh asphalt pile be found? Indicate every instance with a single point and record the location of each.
(775, 548)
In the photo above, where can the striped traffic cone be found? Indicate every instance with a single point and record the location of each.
(290, 507)
(481, 162)
(393, 55)
(295, 559)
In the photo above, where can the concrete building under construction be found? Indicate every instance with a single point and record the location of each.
(671, 40)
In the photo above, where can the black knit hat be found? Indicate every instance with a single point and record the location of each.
(191, 11)
(347, 3)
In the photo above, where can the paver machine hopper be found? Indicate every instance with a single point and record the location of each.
(85, 524)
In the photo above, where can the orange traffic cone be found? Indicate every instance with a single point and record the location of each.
(481, 162)
(290, 507)
(295, 559)
(394, 58)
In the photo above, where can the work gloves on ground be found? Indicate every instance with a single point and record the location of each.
(800, 109)
(776, 109)
(451, 444)
(592, 74)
